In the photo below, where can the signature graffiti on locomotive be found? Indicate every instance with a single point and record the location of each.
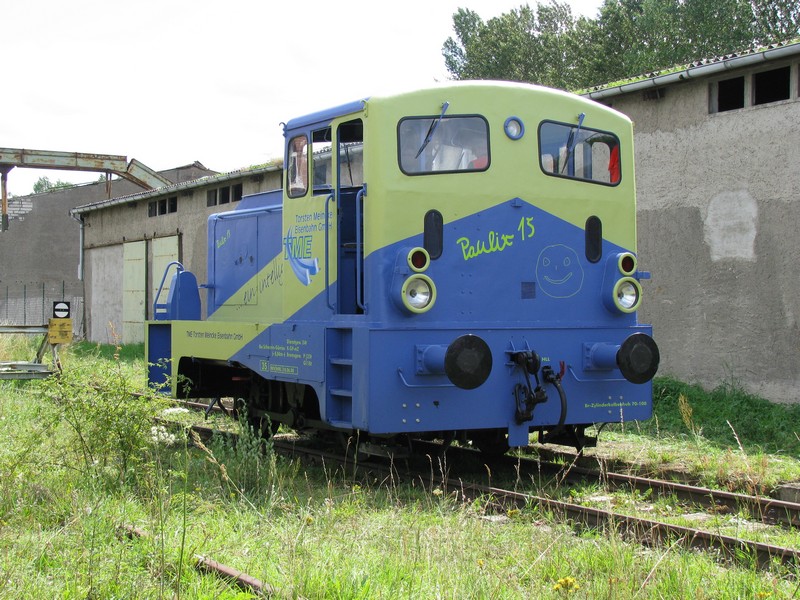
(453, 261)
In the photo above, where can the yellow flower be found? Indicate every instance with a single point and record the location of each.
(568, 584)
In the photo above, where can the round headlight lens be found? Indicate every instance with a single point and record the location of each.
(418, 293)
(627, 295)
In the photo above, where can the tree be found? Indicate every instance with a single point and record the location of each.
(43, 184)
(776, 19)
(548, 46)
(524, 44)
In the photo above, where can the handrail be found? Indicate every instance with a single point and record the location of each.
(327, 254)
(156, 305)
(359, 249)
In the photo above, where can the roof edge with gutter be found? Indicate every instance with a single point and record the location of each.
(697, 70)
(177, 187)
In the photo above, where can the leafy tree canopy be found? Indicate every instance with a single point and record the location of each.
(43, 184)
(549, 46)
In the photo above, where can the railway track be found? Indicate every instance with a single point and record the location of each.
(647, 531)
(761, 508)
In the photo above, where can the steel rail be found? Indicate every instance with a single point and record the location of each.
(763, 508)
(645, 531)
(768, 510)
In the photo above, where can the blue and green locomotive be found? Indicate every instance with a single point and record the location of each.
(453, 261)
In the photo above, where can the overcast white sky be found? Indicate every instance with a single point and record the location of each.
(170, 82)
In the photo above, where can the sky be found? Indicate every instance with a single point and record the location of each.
(171, 82)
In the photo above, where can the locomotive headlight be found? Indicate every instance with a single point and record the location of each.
(627, 294)
(418, 293)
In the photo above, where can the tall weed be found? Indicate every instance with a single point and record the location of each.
(680, 407)
(109, 420)
(246, 466)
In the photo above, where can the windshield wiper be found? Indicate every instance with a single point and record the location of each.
(432, 129)
(572, 140)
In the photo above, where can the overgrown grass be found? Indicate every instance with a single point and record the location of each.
(725, 415)
(128, 353)
(721, 438)
(312, 532)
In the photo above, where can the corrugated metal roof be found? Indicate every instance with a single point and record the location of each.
(177, 187)
(698, 68)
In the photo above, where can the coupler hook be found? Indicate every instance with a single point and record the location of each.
(526, 396)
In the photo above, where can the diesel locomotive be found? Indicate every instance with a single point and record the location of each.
(454, 262)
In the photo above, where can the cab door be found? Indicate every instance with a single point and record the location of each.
(323, 214)
(350, 201)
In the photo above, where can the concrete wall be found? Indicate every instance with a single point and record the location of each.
(127, 220)
(718, 215)
(41, 248)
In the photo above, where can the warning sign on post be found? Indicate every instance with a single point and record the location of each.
(59, 331)
(61, 310)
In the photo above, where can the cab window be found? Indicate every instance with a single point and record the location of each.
(576, 152)
(443, 144)
(297, 167)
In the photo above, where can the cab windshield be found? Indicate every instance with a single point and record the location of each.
(576, 152)
(443, 144)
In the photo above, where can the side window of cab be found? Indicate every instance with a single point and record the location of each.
(297, 167)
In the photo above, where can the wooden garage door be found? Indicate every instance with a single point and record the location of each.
(134, 293)
(165, 250)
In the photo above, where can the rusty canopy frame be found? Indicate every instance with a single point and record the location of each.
(132, 170)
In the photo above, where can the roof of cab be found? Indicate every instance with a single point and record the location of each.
(324, 116)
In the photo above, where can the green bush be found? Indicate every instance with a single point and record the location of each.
(109, 420)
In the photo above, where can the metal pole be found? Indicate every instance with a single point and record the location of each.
(4, 185)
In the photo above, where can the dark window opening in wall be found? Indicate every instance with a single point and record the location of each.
(655, 94)
(224, 195)
(771, 86)
(730, 94)
(163, 206)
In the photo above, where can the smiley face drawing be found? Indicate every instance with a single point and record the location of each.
(559, 271)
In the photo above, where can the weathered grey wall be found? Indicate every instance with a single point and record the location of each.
(718, 217)
(42, 247)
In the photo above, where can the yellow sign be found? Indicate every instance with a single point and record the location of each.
(59, 331)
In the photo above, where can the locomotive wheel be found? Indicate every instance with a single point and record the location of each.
(491, 442)
(265, 427)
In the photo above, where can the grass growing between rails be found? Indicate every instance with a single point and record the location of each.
(68, 484)
(723, 437)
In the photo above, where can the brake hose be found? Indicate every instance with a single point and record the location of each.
(551, 376)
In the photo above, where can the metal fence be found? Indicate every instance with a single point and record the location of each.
(31, 302)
